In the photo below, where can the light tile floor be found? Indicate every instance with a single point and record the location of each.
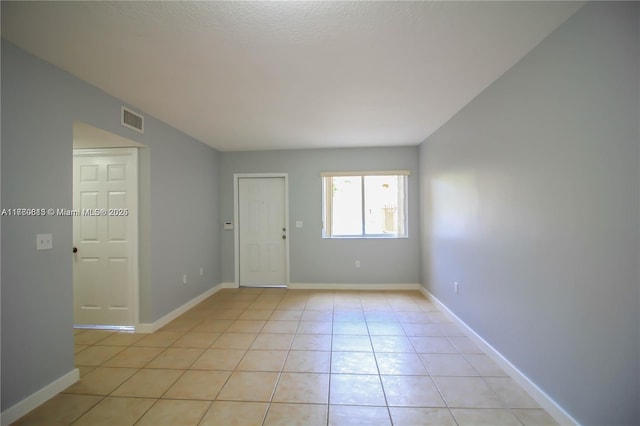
(285, 357)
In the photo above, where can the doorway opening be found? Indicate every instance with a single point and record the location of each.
(110, 245)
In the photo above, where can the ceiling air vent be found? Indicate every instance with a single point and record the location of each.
(132, 120)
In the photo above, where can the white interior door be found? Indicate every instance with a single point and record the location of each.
(262, 231)
(105, 199)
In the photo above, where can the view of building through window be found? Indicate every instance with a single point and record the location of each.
(365, 206)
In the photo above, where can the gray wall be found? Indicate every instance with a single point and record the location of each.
(40, 103)
(314, 259)
(529, 199)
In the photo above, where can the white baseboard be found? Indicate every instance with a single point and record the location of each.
(33, 401)
(353, 286)
(545, 401)
(158, 324)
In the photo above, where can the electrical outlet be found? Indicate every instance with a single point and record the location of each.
(456, 288)
(357, 263)
(201, 271)
(44, 241)
(184, 279)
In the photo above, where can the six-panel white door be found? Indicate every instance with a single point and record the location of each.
(105, 197)
(262, 231)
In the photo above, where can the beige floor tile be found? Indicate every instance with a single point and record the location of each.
(290, 305)
(213, 326)
(122, 338)
(450, 330)
(198, 385)
(433, 345)
(160, 339)
(413, 317)
(464, 345)
(264, 305)
(246, 326)
(412, 416)
(219, 359)
(411, 391)
(358, 415)
(400, 364)
(85, 369)
(274, 326)
(79, 348)
(256, 314)
(346, 389)
(324, 315)
(311, 388)
(422, 330)
(148, 383)
(249, 386)
(353, 328)
(116, 411)
(346, 343)
(230, 413)
(311, 342)
(196, 339)
(174, 413)
(62, 409)
(484, 417)
(353, 363)
(262, 360)
(272, 341)
(315, 327)
(183, 323)
(286, 315)
(392, 344)
(134, 357)
(346, 314)
(467, 392)
(534, 417)
(512, 395)
(91, 337)
(485, 365)
(234, 341)
(308, 362)
(296, 414)
(448, 365)
(230, 314)
(380, 316)
(101, 381)
(385, 329)
(176, 358)
(438, 317)
(96, 355)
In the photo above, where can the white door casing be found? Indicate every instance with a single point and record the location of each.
(261, 231)
(105, 234)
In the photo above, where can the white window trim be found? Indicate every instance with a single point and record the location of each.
(327, 205)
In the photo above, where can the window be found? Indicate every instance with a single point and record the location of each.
(364, 204)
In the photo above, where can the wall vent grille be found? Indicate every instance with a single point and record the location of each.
(132, 120)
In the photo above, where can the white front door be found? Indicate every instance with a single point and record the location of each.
(105, 200)
(262, 231)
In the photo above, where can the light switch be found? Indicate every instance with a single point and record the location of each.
(44, 241)
(298, 224)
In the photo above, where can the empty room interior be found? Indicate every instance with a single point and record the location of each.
(317, 212)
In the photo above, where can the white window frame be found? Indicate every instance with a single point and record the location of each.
(327, 204)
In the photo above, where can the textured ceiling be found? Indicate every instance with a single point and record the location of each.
(270, 75)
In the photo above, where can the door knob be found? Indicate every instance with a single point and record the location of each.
(75, 249)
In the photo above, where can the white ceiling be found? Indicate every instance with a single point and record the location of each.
(272, 75)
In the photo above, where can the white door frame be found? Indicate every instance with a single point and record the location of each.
(135, 291)
(236, 219)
